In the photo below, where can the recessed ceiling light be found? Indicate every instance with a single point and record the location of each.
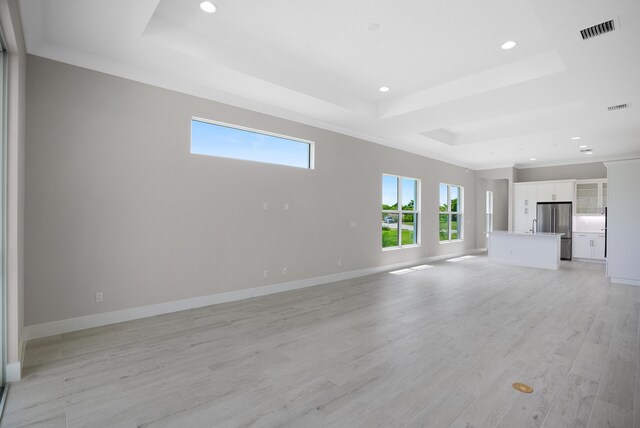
(575, 138)
(532, 158)
(584, 146)
(384, 89)
(588, 153)
(208, 7)
(508, 45)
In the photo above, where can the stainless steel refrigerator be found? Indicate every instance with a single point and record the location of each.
(556, 217)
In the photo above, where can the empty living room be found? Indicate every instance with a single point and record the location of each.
(220, 213)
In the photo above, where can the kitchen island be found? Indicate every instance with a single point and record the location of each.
(539, 250)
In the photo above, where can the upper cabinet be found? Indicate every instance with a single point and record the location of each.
(557, 191)
(525, 194)
(591, 197)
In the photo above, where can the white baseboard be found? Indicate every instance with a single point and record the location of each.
(13, 372)
(74, 324)
(625, 281)
(579, 259)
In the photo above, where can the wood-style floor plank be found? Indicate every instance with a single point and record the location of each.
(437, 347)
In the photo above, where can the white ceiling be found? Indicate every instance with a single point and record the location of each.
(455, 95)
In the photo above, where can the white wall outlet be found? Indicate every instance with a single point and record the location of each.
(286, 206)
(265, 205)
(284, 270)
(352, 224)
(339, 263)
(99, 297)
(265, 273)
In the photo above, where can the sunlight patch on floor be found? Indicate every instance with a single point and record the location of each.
(411, 269)
(459, 259)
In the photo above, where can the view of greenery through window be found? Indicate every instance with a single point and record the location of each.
(399, 211)
(450, 216)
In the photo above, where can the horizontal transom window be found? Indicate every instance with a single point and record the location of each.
(235, 142)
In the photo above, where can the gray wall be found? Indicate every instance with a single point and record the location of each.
(116, 203)
(562, 172)
(500, 189)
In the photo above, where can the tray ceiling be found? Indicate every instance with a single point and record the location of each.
(455, 95)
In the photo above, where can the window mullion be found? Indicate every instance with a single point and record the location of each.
(449, 209)
(399, 211)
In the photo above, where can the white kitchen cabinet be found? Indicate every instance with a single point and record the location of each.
(591, 197)
(557, 191)
(525, 202)
(588, 246)
(581, 246)
(523, 218)
(544, 192)
(525, 194)
(598, 247)
(563, 191)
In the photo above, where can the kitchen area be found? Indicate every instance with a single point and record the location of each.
(552, 221)
(590, 237)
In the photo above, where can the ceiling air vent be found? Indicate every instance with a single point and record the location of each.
(618, 107)
(597, 30)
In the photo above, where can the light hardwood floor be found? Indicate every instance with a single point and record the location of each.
(438, 347)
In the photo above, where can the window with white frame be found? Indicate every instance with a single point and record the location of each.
(489, 215)
(400, 211)
(230, 141)
(450, 213)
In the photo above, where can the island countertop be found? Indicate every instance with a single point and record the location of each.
(540, 250)
(508, 232)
